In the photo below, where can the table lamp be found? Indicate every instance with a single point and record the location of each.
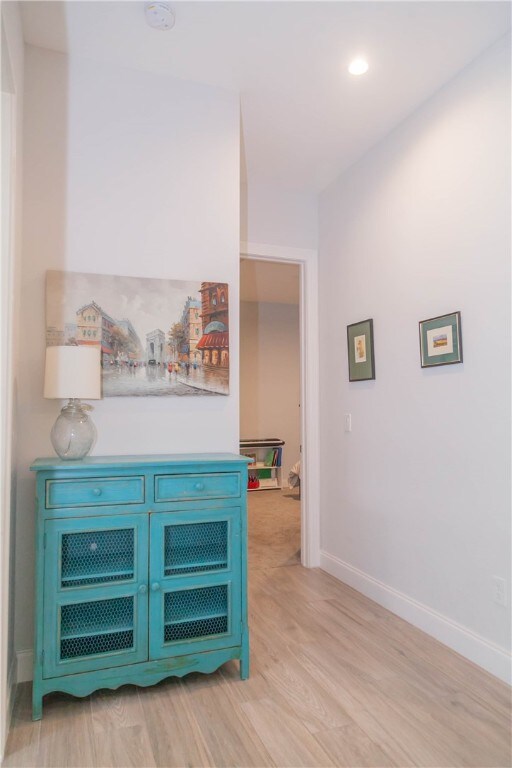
(74, 373)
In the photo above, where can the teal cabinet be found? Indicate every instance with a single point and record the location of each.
(141, 570)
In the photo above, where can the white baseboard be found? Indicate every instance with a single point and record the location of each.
(9, 703)
(25, 660)
(491, 657)
(12, 679)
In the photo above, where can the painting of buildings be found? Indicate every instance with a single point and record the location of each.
(214, 343)
(157, 337)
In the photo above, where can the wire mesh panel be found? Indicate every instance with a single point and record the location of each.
(193, 613)
(195, 547)
(97, 557)
(99, 626)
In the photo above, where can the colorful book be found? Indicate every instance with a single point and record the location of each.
(269, 458)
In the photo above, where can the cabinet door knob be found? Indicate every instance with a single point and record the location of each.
(97, 491)
(155, 586)
(143, 589)
(199, 486)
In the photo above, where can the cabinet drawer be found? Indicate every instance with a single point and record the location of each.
(224, 485)
(94, 492)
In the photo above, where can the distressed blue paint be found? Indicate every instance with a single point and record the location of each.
(104, 619)
(94, 491)
(191, 487)
(171, 461)
(145, 674)
(204, 578)
(56, 597)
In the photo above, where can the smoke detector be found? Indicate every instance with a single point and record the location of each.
(159, 15)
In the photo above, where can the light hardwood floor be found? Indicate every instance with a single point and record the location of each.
(336, 680)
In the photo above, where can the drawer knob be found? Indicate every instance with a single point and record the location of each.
(143, 589)
(97, 491)
(155, 586)
(199, 487)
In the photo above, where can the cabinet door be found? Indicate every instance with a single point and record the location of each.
(195, 599)
(95, 593)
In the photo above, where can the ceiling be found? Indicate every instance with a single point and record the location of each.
(269, 281)
(304, 118)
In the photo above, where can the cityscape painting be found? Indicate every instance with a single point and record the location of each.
(157, 337)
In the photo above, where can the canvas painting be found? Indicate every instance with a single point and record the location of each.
(157, 337)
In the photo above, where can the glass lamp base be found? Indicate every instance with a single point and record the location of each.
(74, 432)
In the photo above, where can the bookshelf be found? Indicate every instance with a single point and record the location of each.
(265, 473)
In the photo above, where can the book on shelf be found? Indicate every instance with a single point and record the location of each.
(273, 458)
(269, 459)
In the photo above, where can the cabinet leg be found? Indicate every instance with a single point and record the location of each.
(37, 704)
(244, 668)
(244, 659)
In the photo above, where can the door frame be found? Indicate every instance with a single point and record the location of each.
(10, 163)
(307, 260)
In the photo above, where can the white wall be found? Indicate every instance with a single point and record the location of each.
(278, 216)
(270, 375)
(416, 500)
(12, 169)
(134, 174)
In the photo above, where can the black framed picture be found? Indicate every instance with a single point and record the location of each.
(361, 357)
(441, 340)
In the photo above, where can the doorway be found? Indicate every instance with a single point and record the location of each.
(270, 402)
(307, 260)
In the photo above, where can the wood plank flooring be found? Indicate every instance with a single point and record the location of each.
(336, 680)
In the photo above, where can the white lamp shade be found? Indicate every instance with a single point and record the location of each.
(73, 372)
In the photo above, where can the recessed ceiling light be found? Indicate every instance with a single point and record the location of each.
(358, 67)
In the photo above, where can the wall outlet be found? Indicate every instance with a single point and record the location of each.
(348, 422)
(499, 590)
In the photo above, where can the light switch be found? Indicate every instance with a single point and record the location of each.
(348, 422)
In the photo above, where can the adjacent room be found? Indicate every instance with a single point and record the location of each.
(270, 391)
(255, 384)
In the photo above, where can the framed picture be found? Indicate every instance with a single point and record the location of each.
(250, 455)
(157, 337)
(361, 359)
(441, 340)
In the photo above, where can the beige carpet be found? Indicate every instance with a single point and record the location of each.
(274, 528)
